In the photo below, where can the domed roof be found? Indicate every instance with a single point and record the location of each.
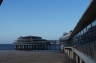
(66, 37)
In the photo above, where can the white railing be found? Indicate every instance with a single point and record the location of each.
(82, 57)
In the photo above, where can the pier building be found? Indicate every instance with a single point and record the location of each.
(31, 43)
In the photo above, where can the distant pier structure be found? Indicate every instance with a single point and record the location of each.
(31, 43)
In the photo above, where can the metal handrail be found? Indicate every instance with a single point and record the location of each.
(82, 56)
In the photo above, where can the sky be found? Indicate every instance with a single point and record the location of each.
(48, 19)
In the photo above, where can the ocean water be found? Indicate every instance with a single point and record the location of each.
(7, 47)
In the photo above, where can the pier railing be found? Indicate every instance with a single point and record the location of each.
(78, 56)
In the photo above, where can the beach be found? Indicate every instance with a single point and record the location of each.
(12, 56)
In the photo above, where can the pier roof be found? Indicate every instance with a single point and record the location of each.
(88, 17)
(1, 2)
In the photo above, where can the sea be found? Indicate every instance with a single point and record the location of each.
(7, 47)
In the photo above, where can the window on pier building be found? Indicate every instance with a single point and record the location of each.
(89, 27)
(94, 23)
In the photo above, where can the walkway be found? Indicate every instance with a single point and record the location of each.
(32, 57)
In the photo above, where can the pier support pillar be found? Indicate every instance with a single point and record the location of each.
(71, 55)
(81, 61)
(77, 61)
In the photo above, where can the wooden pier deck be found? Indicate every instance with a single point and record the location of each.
(32, 57)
